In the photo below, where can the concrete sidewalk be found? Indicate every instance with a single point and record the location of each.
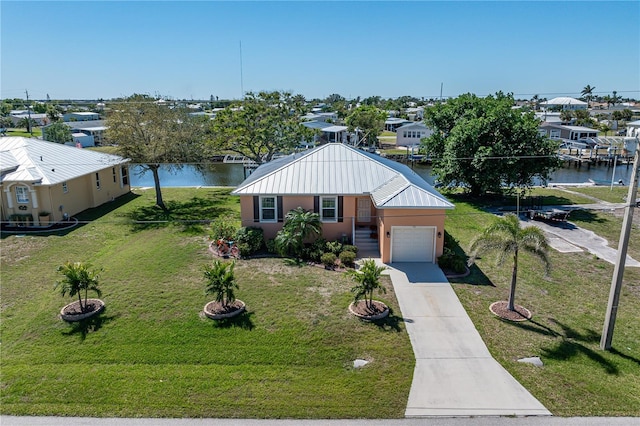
(455, 375)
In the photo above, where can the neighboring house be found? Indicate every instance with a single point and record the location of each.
(565, 103)
(633, 128)
(39, 119)
(81, 116)
(355, 193)
(93, 128)
(391, 124)
(82, 140)
(415, 114)
(326, 117)
(38, 176)
(572, 133)
(411, 134)
(548, 117)
(328, 132)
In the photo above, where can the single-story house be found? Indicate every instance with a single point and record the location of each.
(17, 116)
(328, 132)
(391, 124)
(38, 176)
(565, 103)
(411, 134)
(94, 128)
(561, 131)
(81, 116)
(358, 196)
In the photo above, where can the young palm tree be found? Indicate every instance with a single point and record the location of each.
(298, 226)
(507, 238)
(587, 92)
(78, 278)
(368, 280)
(221, 282)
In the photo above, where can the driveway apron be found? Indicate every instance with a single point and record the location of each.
(455, 375)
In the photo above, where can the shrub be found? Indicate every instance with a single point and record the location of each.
(452, 261)
(249, 240)
(328, 260)
(220, 281)
(223, 228)
(334, 247)
(271, 245)
(347, 258)
(351, 248)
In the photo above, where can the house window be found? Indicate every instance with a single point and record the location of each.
(22, 194)
(268, 209)
(125, 176)
(65, 189)
(329, 209)
(97, 180)
(113, 171)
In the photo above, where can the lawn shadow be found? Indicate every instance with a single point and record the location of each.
(572, 343)
(84, 327)
(589, 216)
(390, 323)
(625, 356)
(191, 215)
(242, 321)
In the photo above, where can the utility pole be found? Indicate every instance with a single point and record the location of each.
(618, 272)
(28, 114)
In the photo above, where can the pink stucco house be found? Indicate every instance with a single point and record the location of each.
(356, 194)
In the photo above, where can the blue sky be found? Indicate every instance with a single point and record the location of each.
(106, 49)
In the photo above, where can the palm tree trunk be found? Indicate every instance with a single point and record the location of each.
(80, 301)
(514, 274)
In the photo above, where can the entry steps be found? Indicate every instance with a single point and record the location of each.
(367, 246)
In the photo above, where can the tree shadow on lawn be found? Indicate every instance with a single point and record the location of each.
(572, 343)
(191, 215)
(242, 321)
(589, 216)
(391, 322)
(84, 327)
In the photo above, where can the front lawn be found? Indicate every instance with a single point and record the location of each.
(578, 379)
(150, 353)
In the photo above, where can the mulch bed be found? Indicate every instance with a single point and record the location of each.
(74, 308)
(501, 310)
(216, 308)
(376, 308)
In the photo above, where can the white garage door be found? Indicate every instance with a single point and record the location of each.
(412, 243)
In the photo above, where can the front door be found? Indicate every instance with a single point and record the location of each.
(364, 210)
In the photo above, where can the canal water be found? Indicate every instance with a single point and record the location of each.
(220, 174)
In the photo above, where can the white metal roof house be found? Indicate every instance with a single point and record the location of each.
(353, 192)
(633, 128)
(565, 103)
(410, 134)
(38, 176)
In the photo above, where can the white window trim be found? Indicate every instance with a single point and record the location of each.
(275, 209)
(335, 209)
(24, 191)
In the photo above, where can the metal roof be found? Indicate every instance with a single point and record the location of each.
(50, 163)
(335, 129)
(564, 100)
(337, 169)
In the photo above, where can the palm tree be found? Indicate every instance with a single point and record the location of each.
(221, 282)
(78, 277)
(368, 280)
(507, 238)
(587, 92)
(299, 225)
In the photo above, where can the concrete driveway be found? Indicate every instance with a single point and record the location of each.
(455, 375)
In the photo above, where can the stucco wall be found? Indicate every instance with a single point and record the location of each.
(409, 217)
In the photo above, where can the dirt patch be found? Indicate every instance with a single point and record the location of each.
(501, 310)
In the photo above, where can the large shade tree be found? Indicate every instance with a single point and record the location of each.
(369, 120)
(154, 134)
(484, 145)
(507, 238)
(261, 125)
(58, 132)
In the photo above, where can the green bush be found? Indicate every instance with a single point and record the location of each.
(271, 245)
(351, 248)
(249, 240)
(223, 228)
(452, 261)
(347, 258)
(334, 247)
(328, 260)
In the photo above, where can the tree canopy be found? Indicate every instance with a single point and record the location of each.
(484, 145)
(152, 135)
(58, 132)
(369, 120)
(261, 125)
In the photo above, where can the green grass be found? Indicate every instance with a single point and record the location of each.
(150, 353)
(578, 379)
(617, 194)
(37, 132)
